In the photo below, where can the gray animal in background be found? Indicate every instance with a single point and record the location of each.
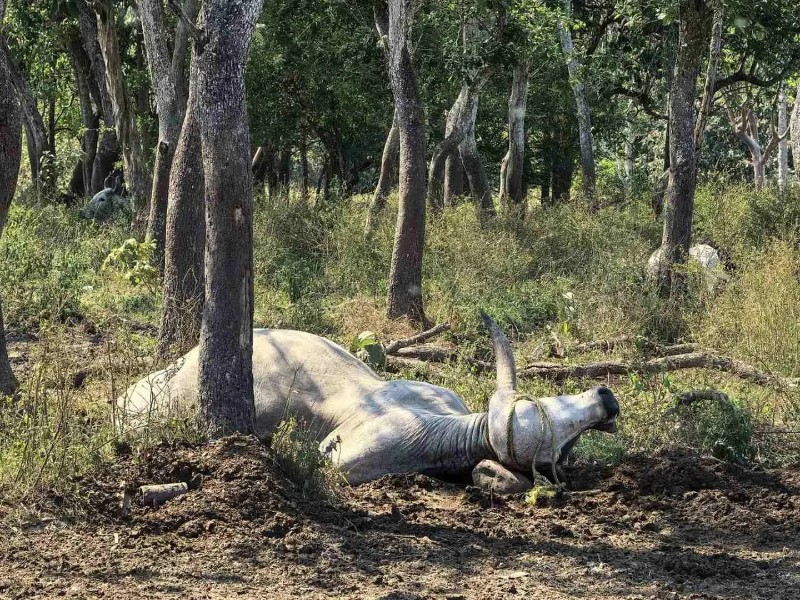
(371, 427)
(703, 255)
(108, 202)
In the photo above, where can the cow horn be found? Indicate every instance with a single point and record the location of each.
(503, 354)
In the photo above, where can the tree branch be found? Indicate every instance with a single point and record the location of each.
(394, 346)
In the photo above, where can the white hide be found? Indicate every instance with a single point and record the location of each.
(703, 255)
(375, 427)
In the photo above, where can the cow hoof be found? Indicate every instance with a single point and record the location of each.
(492, 476)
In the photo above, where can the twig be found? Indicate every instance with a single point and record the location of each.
(440, 355)
(393, 347)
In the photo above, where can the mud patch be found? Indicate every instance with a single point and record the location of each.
(671, 526)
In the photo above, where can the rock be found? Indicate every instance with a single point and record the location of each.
(492, 476)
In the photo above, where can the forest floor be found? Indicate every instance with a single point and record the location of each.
(671, 525)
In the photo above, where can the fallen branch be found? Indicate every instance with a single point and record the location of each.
(623, 340)
(394, 346)
(691, 360)
(440, 355)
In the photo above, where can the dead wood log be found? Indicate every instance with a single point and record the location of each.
(691, 360)
(440, 355)
(394, 346)
(158, 494)
(623, 340)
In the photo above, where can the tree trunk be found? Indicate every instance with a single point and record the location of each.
(304, 169)
(391, 153)
(714, 51)
(588, 168)
(458, 122)
(693, 37)
(184, 251)
(170, 119)
(405, 275)
(285, 171)
(563, 170)
(512, 181)
(89, 119)
(10, 156)
(108, 149)
(795, 132)
(35, 130)
(180, 52)
(454, 177)
(473, 165)
(783, 145)
(226, 338)
(124, 120)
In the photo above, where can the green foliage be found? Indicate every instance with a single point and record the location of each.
(297, 453)
(367, 347)
(133, 260)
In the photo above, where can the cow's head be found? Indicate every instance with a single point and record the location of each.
(526, 432)
(108, 202)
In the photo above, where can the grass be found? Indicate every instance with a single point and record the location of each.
(562, 276)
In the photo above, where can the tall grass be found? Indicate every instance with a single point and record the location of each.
(562, 275)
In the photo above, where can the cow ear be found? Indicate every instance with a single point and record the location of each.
(118, 184)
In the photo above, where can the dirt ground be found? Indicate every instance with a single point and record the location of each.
(670, 526)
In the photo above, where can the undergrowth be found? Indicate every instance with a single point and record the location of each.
(564, 275)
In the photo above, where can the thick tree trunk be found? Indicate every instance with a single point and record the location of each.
(473, 165)
(226, 338)
(512, 180)
(184, 255)
(138, 178)
(783, 145)
(588, 168)
(10, 156)
(389, 159)
(108, 149)
(170, 118)
(405, 275)
(693, 37)
(180, 52)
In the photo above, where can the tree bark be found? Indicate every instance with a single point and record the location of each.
(693, 37)
(89, 118)
(10, 156)
(35, 130)
(783, 145)
(226, 338)
(454, 177)
(108, 149)
(138, 178)
(512, 181)
(405, 275)
(170, 118)
(795, 131)
(714, 51)
(184, 251)
(588, 168)
(180, 52)
(389, 160)
(473, 165)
